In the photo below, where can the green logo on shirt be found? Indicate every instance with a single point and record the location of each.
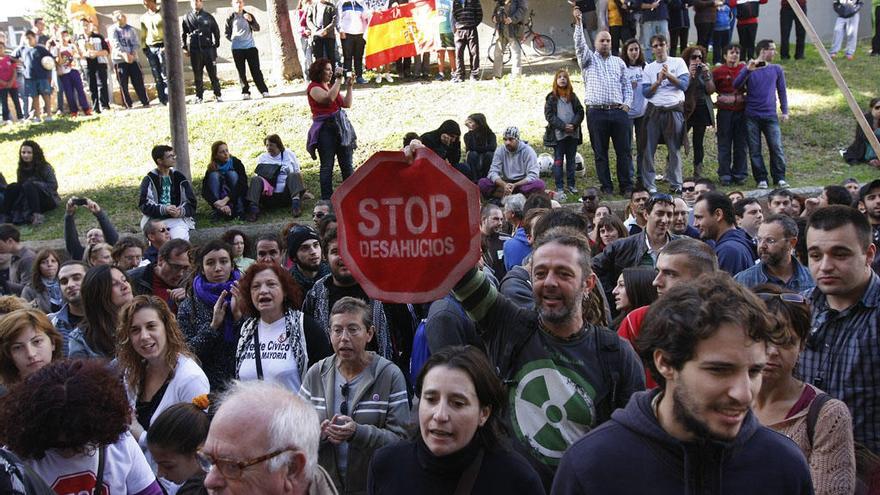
(551, 408)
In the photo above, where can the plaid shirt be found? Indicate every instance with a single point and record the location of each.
(605, 80)
(800, 280)
(842, 357)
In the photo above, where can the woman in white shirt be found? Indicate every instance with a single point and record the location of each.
(158, 367)
(277, 181)
(69, 423)
(288, 341)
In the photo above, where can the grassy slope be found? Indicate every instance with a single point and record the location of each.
(105, 158)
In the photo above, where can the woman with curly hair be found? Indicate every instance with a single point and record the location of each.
(28, 342)
(77, 418)
(36, 189)
(44, 289)
(698, 109)
(268, 296)
(158, 368)
(212, 339)
(241, 248)
(105, 289)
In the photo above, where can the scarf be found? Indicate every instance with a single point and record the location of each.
(53, 288)
(226, 167)
(208, 293)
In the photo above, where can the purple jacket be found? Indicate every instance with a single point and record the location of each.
(761, 88)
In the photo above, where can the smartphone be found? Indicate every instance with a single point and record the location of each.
(761, 63)
(80, 201)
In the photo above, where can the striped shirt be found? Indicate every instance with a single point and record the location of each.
(842, 357)
(605, 79)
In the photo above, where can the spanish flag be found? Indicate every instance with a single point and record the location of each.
(403, 31)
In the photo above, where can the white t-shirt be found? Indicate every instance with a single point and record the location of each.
(125, 471)
(276, 352)
(667, 94)
(289, 165)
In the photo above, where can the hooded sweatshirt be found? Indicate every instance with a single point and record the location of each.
(735, 251)
(632, 453)
(513, 166)
(432, 141)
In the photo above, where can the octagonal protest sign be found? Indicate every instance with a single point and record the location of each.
(408, 231)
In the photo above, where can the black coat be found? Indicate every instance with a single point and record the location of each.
(451, 154)
(553, 122)
(855, 153)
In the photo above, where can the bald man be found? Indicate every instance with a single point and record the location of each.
(607, 98)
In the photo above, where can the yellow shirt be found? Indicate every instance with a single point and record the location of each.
(152, 32)
(614, 17)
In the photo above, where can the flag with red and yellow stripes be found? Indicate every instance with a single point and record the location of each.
(403, 31)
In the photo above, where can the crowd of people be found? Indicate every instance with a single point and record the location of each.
(719, 342)
(681, 335)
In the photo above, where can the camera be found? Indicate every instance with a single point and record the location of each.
(761, 63)
(80, 201)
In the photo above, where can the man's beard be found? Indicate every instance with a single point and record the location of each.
(560, 315)
(681, 410)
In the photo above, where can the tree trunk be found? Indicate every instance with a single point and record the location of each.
(176, 95)
(285, 60)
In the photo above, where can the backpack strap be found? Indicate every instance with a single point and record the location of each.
(608, 349)
(468, 478)
(813, 414)
(99, 476)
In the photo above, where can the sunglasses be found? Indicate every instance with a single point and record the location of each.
(696, 56)
(689, 189)
(343, 408)
(163, 230)
(319, 214)
(792, 298)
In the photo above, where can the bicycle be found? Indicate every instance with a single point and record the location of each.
(542, 44)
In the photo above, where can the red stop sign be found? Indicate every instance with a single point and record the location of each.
(80, 483)
(408, 232)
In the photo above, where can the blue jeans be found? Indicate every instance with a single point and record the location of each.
(615, 125)
(769, 127)
(156, 57)
(564, 151)
(328, 149)
(648, 29)
(732, 138)
(223, 184)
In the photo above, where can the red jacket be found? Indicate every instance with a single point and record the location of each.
(629, 329)
(723, 77)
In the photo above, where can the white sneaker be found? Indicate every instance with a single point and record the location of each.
(265, 94)
(218, 100)
(378, 78)
(47, 118)
(197, 101)
(782, 183)
(389, 77)
(762, 184)
(244, 96)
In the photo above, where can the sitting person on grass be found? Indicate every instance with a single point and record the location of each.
(277, 181)
(167, 194)
(514, 169)
(225, 183)
(36, 189)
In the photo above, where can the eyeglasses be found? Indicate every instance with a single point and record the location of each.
(696, 56)
(768, 240)
(689, 189)
(787, 297)
(230, 468)
(343, 408)
(589, 198)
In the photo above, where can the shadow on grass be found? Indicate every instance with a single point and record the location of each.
(33, 130)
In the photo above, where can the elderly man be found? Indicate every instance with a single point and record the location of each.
(514, 169)
(777, 237)
(106, 233)
(608, 95)
(271, 449)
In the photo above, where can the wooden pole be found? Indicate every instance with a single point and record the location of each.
(176, 96)
(838, 78)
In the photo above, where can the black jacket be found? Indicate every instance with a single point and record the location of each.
(620, 254)
(632, 453)
(328, 19)
(467, 14)
(199, 31)
(451, 154)
(553, 122)
(182, 195)
(141, 279)
(855, 153)
(255, 26)
(240, 187)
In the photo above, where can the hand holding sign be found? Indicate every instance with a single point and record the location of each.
(408, 231)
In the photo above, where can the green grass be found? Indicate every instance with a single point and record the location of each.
(105, 157)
